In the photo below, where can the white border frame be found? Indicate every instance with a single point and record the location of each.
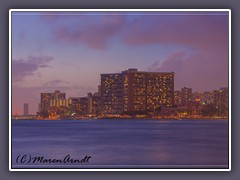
(119, 10)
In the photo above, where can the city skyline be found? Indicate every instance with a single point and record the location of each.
(69, 50)
(137, 94)
(131, 91)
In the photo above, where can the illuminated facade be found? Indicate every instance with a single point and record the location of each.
(186, 95)
(177, 98)
(60, 102)
(224, 97)
(112, 93)
(207, 97)
(93, 103)
(47, 100)
(79, 105)
(136, 91)
(220, 100)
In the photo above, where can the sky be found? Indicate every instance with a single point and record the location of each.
(68, 51)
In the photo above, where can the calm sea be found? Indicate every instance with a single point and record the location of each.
(121, 143)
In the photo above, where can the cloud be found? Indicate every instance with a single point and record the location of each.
(198, 31)
(200, 71)
(22, 68)
(205, 67)
(94, 35)
(173, 62)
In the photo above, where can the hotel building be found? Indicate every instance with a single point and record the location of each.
(112, 93)
(177, 98)
(134, 91)
(79, 105)
(48, 99)
(93, 104)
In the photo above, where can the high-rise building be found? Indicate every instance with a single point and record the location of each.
(177, 98)
(75, 104)
(224, 96)
(207, 97)
(96, 103)
(48, 98)
(112, 93)
(93, 103)
(220, 101)
(186, 95)
(216, 98)
(25, 109)
(90, 103)
(136, 91)
(60, 102)
(83, 101)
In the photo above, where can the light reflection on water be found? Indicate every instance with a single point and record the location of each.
(124, 142)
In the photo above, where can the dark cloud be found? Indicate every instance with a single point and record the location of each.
(199, 31)
(29, 66)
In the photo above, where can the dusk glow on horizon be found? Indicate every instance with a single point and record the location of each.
(68, 51)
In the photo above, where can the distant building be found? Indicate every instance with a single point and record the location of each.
(39, 107)
(25, 109)
(197, 97)
(215, 103)
(50, 99)
(220, 101)
(96, 104)
(186, 95)
(83, 102)
(224, 99)
(135, 91)
(90, 103)
(207, 97)
(79, 105)
(75, 106)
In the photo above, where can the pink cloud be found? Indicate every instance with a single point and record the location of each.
(199, 71)
(94, 35)
(206, 68)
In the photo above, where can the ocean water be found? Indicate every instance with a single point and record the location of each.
(121, 143)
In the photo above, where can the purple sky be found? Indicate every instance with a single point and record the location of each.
(68, 51)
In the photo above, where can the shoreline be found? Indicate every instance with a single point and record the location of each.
(133, 119)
